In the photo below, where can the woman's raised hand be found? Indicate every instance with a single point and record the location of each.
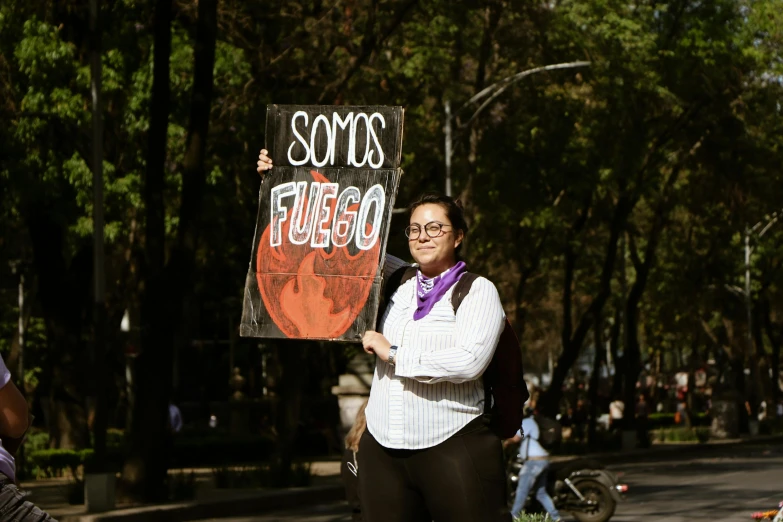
(264, 162)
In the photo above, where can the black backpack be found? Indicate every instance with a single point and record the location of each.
(505, 390)
(550, 433)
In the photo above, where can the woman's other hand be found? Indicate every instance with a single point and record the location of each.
(376, 343)
(264, 162)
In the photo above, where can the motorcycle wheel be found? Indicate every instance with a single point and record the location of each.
(605, 504)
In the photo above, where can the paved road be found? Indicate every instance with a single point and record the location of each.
(337, 512)
(726, 486)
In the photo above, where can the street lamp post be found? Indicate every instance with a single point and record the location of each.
(99, 483)
(16, 269)
(767, 223)
(447, 151)
(764, 225)
(99, 280)
(489, 95)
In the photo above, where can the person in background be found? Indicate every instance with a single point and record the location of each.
(175, 418)
(566, 420)
(14, 422)
(175, 426)
(533, 475)
(579, 421)
(762, 414)
(349, 469)
(642, 416)
(681, 416)
(616, 409)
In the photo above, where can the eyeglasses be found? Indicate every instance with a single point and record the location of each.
(433, 229)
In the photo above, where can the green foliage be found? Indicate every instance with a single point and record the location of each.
(691, 88)
(268, 476)
(525, 517)
(192, 451)
(55, 462)
(701, 434)
(115, 439)
(665, 420)
(43, 461)
(36, 440)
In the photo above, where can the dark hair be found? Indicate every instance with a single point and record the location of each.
(453, 208)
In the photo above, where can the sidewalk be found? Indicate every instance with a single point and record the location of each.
(663, 450)
(211, 502)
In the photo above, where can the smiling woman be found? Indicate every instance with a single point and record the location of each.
(426, 437)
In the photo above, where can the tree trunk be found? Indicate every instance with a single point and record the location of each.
(293, 362)
(626, 202)
(64, 294)
(773, 332)
(491, 20)
(760, 362)
(183, 255)
(594, 378)
(526, 272)
(568, 288)
(572, 344)
(632, 354)
(145, 468)
(166, 286)
(12, 360)
(614, 349)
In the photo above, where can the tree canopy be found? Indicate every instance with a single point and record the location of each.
(615, 196)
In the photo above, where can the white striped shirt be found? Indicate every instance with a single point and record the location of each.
(435, 388)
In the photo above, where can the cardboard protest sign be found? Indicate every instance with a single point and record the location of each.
(323, 221)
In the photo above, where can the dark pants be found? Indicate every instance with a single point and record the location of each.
(459, 480)
(14, 508)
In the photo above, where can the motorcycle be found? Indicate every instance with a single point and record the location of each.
(583, 487)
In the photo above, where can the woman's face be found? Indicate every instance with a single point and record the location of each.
(433, 254)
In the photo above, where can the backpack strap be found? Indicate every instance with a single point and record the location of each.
(461, 289)
(398, 277)
(527, 451)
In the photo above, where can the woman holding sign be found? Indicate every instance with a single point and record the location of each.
(427, 453)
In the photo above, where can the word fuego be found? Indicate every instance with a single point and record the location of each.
(321, 217)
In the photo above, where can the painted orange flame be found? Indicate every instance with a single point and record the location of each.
(309, 292)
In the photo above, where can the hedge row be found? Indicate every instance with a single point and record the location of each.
(194, 451)
(666, 420)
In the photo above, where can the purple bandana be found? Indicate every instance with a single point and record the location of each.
(430, 291)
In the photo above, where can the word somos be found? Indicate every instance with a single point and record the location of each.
(354, 124)
(312, 221)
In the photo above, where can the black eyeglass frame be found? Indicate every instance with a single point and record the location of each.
(426, 228)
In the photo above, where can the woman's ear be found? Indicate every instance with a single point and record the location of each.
(458, 240)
